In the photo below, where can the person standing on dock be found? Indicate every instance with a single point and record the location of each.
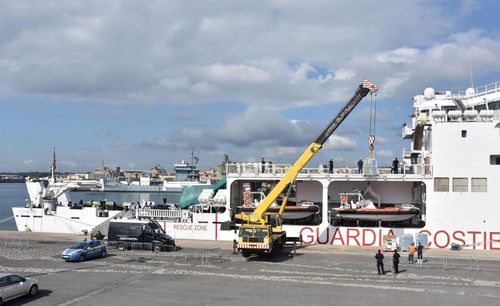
(380, 262)
(395, 261)
(263, 165)
(420, 251)
(411, 252)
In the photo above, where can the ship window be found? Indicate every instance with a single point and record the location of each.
(460, 184)
(442, 184)
(494, 105)
(464, 133)
(479, 184)
(494, 159)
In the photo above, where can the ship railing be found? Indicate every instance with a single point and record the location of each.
(481, 90)
(253, 169)
(163, 214)
(419, 169)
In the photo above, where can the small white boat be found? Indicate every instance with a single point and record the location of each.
(354, 207)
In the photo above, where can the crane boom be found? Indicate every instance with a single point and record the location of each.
(257, 215)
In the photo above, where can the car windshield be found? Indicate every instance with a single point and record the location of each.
(260, 232)
(245, 232)
(156, 228)
(80, 245)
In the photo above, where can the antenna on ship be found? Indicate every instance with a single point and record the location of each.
(470, 72)
(53, 166)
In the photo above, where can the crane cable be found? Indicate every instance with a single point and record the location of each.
(373, 114)
(372, 127)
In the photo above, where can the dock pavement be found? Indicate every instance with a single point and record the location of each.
(208, 273)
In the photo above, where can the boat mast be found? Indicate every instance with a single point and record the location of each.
(53, 167)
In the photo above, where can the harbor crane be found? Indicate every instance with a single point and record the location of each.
(261, 232)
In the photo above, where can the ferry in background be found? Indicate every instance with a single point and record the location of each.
(445, 187)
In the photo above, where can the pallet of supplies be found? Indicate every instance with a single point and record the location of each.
(390, 243)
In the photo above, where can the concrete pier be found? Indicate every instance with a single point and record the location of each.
(318, 274)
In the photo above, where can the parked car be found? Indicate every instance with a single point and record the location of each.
(84, 250)
(14, 286)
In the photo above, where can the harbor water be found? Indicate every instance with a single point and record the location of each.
(15, 194)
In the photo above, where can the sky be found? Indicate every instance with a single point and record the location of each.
(140, 83)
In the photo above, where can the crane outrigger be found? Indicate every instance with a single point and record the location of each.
(261, 232)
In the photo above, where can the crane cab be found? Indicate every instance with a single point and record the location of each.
(257, 238)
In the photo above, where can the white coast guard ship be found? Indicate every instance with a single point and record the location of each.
(448, 179)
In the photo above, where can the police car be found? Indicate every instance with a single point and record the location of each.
(84, 250)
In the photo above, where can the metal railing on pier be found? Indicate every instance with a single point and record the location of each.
(205, 255)
(451, 263)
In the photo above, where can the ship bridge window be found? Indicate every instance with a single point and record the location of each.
(442, 184)
(494, 105)
(494, 159)
(479, 184)
(464, 133)
(460, 184)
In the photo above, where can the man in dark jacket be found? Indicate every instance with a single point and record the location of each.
(360, 166)
(330, 166)
(420, 251)
(380, 262)
(395, 261)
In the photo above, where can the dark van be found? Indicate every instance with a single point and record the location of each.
(144, 234)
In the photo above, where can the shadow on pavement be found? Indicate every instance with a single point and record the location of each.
(281, 256)
(28, 299)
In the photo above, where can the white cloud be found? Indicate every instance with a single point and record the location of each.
(236, 74)
(28, 162)
(344, 74)
(399, 56)
(337, 142)
(280, 152)
(385, 154)
(281, 54)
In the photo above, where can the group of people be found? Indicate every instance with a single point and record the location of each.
(395, 258)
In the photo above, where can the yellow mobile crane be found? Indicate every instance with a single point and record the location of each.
(261, 231)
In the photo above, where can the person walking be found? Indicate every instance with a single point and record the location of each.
(411, 252)
(360, 166)
(380, 262)
(330, 166)
(395, 261)
(420, 251)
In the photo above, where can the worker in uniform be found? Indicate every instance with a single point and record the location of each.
(395, 261)
(330, 166)
(420, 251)
(411, 252)
(380, 262)
(360, 166)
